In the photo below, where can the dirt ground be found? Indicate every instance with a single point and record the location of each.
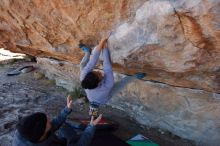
(31, 92)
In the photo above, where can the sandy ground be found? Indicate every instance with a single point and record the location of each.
(31, 92)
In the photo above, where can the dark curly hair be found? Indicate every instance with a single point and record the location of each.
(90, 81)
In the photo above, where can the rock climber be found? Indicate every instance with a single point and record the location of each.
(100, 87)
(39, 130)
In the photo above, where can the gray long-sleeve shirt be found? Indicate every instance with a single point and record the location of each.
(101, 93)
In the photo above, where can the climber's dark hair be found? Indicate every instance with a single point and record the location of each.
(90, 81)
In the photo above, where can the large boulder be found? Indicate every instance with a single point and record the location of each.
(175, 42)
(54, 28)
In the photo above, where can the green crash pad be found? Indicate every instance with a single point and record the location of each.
(141, 143)
(140, 140)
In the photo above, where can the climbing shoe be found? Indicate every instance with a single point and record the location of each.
(84, 48)
(140, 75)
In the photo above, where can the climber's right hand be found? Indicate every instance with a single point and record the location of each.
(103, 43)
(104, 40)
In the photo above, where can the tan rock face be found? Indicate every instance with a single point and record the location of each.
(175, 42)
(54, 28)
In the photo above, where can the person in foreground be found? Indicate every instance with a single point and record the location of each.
(39, 130)
(100, 87)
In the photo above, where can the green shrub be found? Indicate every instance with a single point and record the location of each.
(77, 92)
